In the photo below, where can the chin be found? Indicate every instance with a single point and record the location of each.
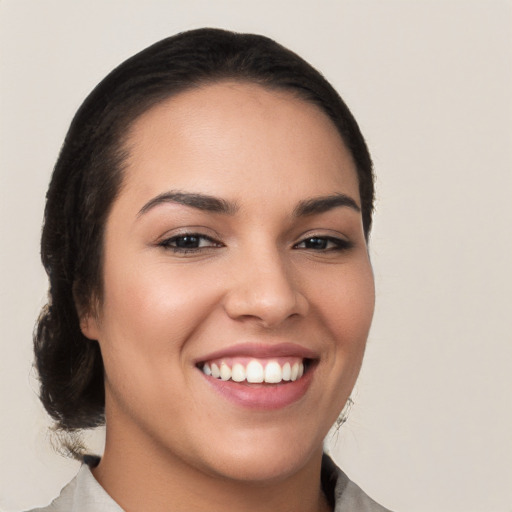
(264, 462)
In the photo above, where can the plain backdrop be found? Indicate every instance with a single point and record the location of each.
(430, 83)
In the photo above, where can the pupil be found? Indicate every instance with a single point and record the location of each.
(316, 243)
(187, 242)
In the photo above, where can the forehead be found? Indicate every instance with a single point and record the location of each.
(229, 136)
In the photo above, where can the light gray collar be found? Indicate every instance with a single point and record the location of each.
(85, 494)
(82, 494)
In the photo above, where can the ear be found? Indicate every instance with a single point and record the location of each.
(87, 310)
(89, 326)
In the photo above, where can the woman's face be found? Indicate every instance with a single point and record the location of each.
(235, 243)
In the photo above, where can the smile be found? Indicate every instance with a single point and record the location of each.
(256, 371)
(260, 377)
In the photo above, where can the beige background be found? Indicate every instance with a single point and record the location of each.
(429, 82)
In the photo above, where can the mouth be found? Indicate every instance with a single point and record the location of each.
(260, 377)
(248, 370)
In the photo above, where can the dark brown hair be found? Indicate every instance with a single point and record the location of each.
(88, 176)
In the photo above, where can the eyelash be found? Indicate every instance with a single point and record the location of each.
(167, 243)
(337, 244)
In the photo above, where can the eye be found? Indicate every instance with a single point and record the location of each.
(189, 242)
(324, 243)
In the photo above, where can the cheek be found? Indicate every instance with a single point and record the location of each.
(155, 302)
(347, 305)
(150, 315)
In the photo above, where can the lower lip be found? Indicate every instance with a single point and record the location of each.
(262, 396)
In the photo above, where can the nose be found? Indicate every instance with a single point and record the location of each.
(264, 289)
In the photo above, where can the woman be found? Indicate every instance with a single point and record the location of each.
(211, 293)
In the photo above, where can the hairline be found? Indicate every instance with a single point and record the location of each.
(122, 147)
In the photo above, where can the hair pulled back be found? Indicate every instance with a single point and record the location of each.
(88, 176)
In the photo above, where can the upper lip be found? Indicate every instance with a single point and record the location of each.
(261, 350)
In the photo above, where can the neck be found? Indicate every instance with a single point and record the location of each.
(140, 477)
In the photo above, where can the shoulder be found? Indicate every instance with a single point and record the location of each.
(85, 494)
(64, 501)
(344, 493)
(82, 494)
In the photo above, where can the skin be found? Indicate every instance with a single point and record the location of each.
(173, 443)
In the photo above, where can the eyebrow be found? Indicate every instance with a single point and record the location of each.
(323, 204)
(313, 206)
(199, 201)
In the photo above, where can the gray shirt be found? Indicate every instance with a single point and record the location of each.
(85, 494)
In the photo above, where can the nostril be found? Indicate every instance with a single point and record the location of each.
(264, 294)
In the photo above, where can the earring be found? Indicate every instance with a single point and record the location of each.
(343, 417)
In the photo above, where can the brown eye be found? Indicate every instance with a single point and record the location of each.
(189, 242)
(324, 243)
(316, 243)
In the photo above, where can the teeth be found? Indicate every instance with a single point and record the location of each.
(273, 373)
(287, 371)
(238, 372)
(215, 371)
(294, 372)
(255, 372)
(225, 371)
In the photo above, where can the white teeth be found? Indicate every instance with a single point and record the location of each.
(238, 372)
(215, 371)
(273, 373)
(294, 372)
(254, 372)
(287, 371)
(225, 371)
